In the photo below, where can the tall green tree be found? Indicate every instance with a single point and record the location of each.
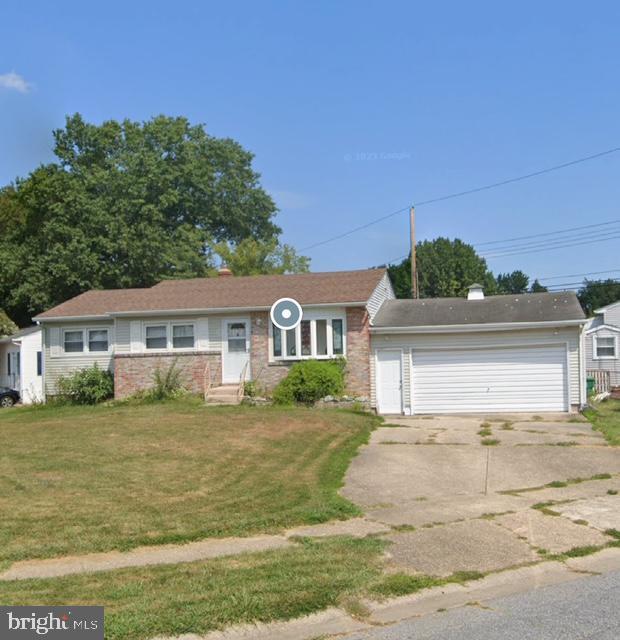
(595, 294)
(251, 257)
(125, 205)
(445, 269)
(537, 287)
(515, 282)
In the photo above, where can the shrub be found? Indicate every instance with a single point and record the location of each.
(167, 383)
(87, 386)
(309, 381)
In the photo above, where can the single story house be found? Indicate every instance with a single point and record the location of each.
(602, 344)
(502, 353)
(21, 363)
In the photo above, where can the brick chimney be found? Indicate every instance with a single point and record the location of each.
(224, 272)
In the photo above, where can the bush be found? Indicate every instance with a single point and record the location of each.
(309, 381)
(167, 384)
(87, 386)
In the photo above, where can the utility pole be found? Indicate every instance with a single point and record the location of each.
(414, 270)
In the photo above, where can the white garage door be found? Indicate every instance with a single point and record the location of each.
(490, 380)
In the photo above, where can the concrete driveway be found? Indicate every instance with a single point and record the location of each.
(458, 491)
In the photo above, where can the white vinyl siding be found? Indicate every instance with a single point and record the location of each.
(518, 338)
(57, 363)
(612, 315)
(603, 364)
(122, 331)
(499, 379)
(383, 291)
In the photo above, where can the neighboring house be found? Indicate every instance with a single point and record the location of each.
(505, 353)
(602, 343)
(499, 354)
(21, 363)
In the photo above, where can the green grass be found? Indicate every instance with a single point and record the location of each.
(201, 596)
(401, 584)
(489, 442)
(605, 417)
(86, 479)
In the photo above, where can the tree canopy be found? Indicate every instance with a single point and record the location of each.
(251, 257)
(127, 204)
(7, 326)
(595, 294)
(447, 267)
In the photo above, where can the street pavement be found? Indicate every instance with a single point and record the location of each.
(583, 609)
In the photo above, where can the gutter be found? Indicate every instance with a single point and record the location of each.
(491, 326)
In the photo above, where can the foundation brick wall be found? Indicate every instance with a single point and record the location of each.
(134, 372)
(357, 380)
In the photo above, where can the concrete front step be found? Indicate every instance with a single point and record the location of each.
(224, 394)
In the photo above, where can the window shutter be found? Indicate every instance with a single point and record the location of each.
(54, 335)
(202, 334)
(135, 336)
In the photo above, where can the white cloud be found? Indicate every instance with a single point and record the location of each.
(13, 81)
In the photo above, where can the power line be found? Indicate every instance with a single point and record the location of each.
(548, 233)
(579, 275)
(551, 248)
(513, 249)
(459, 194)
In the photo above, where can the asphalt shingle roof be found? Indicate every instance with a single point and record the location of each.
(527, 307)
(338, 287)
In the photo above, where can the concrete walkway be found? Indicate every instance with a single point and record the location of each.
(190, 552)
(458, 504)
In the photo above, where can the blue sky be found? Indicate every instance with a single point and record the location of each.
(353, 109)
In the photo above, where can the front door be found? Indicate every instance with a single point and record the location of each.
(389, 381)
(235, 349)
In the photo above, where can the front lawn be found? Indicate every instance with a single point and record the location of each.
(605, 417)
(196, 597)
(83, 479)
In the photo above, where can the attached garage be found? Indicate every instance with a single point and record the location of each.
(500, 379)
(507, 354)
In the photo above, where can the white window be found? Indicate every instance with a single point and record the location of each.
(98, 340)
(605, 347)
(74, 341)
(313, 338)
(182, 336)
(157, 337)
(86, 340)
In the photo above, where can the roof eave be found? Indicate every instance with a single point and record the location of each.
(608, 327)
(489, 326)
(42, 318)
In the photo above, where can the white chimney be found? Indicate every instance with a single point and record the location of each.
(476, 292)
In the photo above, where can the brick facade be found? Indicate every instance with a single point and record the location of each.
(267, 374)
(357, 379)
(134, 372)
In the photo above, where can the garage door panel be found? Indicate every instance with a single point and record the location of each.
(493, 379)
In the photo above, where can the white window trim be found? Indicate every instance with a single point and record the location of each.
(85, 339)
(312, 318)
(595, 355)
(169, 348)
